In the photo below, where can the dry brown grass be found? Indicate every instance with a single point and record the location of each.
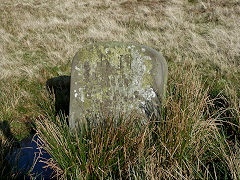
(189, 143)
(38, 33)
(186, 145)
(39, 38)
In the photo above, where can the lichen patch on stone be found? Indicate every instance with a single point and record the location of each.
(111, 78)
(77, 68)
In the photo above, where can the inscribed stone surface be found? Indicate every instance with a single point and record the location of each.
(113, 78)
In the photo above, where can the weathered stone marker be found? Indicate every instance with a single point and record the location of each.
(115, 77)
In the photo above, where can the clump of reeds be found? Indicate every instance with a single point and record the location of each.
(102, 151)
(186, 143)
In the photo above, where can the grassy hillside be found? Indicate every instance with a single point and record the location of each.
(200, 40)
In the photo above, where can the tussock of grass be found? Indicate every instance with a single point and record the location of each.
(189, 144)
(104, 151)
(186, 143)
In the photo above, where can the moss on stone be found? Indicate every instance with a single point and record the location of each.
(107, 76)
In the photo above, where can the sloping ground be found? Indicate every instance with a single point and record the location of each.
(38, 40)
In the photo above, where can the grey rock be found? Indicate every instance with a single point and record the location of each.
(112, 78)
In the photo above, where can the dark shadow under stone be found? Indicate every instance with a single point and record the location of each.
(60, 87)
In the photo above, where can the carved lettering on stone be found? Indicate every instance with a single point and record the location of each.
(113, 78)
